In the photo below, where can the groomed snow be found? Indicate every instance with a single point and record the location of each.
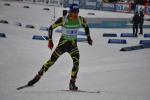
(117, 75)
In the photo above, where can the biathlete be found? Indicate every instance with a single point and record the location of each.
(71, 24)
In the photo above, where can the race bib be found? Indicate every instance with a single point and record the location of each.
(71, 32)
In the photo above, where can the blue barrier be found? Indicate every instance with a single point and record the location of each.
(80, 32)
(38, 37)
(45, 37)
(7, 4)
(47, 9)
(147, 35)
(117, 41)
(127, 35)
(58, 31)
(114, 24)
(109, 35)
(131, 48)
(146, 46)
(145, 42)
(81, 39)
(4, 21)
(18, 24)
(26, 6)
(2, 35)
(44, 28)
(30, 26)
(138, 47)
(109, 24)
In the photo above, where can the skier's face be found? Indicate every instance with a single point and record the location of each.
(74, 15)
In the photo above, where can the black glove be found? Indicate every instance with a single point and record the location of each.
(90, 41)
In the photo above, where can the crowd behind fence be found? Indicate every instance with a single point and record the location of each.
(96, 5)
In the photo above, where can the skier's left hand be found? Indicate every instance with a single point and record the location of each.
(90, 41)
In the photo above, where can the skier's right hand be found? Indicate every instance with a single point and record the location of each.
(50, 44)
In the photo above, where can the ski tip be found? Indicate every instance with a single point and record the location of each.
(19, 88)
(22, 87)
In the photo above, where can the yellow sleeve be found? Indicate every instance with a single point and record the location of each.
(85, 25)
(83, 22)
(59, 22)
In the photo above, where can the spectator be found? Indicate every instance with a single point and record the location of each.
(135, 21)
(141, 21)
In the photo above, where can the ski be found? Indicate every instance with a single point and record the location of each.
(79, 91)
(24, 86)
(82, 91)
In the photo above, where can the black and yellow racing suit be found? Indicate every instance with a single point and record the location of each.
(67, 42)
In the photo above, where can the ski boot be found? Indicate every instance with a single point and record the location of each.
(36, 78)
(33, 81)
(72, 85)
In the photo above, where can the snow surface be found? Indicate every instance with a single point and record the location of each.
(117, 75)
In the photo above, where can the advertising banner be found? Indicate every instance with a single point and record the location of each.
(74, 1)
(54, 2)
(122, 7)
(28, 1)
(147, 10)
(40, 1)
(91, 4)
(140, 8)
(108, 6)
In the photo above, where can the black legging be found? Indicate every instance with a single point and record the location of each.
(141, 28)
(135, 30)
(69, 46)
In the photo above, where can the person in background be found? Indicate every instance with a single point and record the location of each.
(135, 21)
(141, 17)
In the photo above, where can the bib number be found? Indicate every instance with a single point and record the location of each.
(71, 32)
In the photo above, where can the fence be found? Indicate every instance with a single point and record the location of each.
(94, 4)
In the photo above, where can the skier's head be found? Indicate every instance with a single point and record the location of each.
(74, 8)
